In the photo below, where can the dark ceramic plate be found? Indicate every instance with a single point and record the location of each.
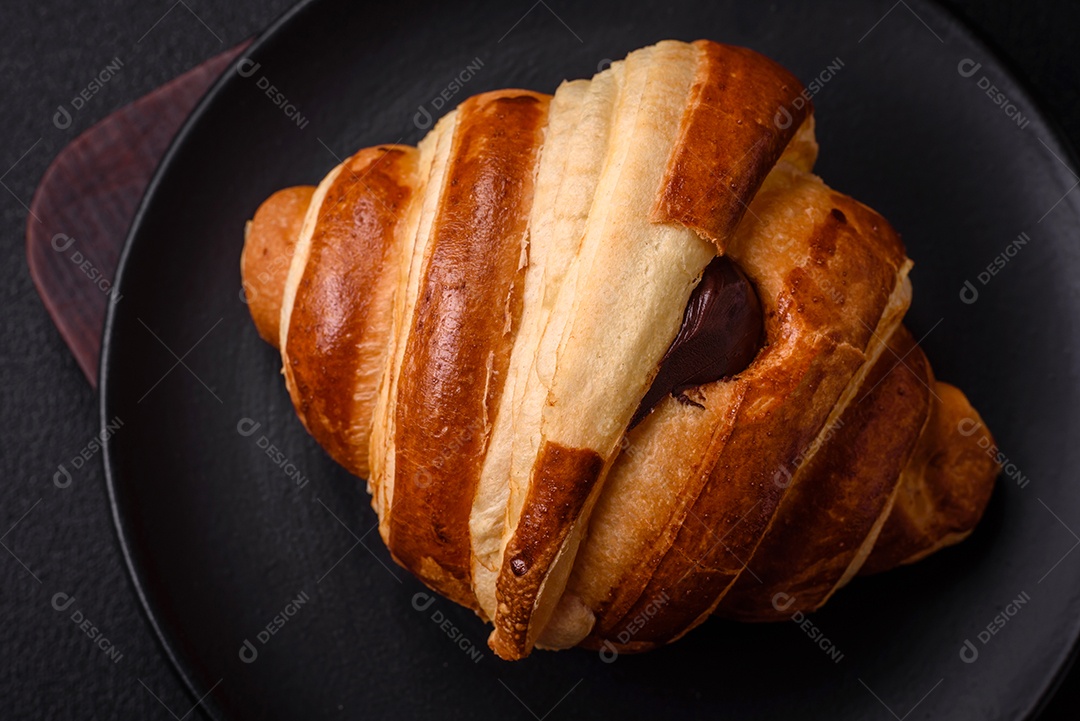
(255, 555)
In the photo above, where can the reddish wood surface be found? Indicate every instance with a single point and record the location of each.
(84, 204)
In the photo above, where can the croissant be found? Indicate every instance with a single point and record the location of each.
(614, 360)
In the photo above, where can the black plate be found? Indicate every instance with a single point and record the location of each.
(222, 536)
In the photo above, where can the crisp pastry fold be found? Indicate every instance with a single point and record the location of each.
(472, 325)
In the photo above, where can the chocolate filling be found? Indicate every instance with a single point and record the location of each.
(721, 332)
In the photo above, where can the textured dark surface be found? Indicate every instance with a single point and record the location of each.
(52, 670)
(94, 185)
(221, 537)
(50, 51)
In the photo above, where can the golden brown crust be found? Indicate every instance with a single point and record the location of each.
(564, 481)
(703, 82)
(337, 337)
(502, 348)
(729, 139)
(826, 275)
(461, 334)
(944, 488)
(735, 500)
(269, 241)
(838, 497)
(570, 397)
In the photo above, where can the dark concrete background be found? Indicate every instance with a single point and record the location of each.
(49, 669)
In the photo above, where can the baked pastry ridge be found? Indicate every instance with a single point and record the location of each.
(472, 324)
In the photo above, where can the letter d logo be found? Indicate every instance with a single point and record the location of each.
(61, 242)
(422, 601)
(782, 477)
(968, 67)
(248, 652)
(247, 426)
(245, 68)
(783, 119)
(968, 652)
(969, 293)
(968, 426)
(62, 601)
(782, 601)
(62, 118)
(422, 120)
(62, 477)
(608, 652)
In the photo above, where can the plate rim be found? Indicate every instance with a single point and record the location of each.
(180, 665)
(1013, 81)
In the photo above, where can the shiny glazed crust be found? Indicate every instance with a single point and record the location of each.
(472, 323)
